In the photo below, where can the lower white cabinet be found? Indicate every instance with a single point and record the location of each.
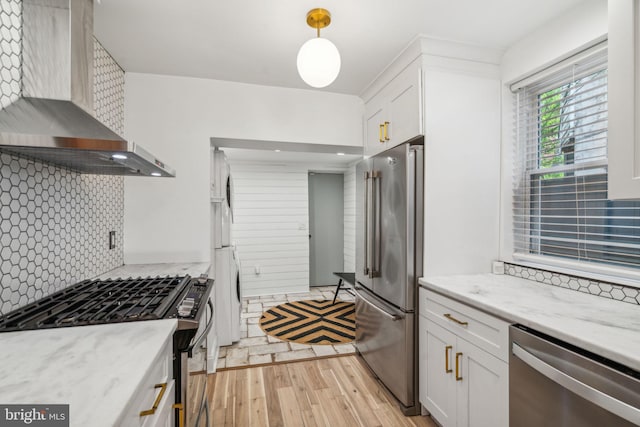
(460, 383)
(152, 403)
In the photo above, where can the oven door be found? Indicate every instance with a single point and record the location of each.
(197, 351)
(194, 383)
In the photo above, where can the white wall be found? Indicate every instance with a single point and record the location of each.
(271, 227)
(167, 220)
(556, 40)
(350, 219)
(462, 168)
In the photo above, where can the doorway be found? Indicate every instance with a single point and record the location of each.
(326, 227)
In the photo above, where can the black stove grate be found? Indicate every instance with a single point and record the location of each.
(99, 301)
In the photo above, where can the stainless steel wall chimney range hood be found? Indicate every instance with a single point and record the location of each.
(53, 119)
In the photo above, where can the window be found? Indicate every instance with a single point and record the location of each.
(561, 209)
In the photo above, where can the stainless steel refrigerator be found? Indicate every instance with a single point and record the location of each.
(389, 230)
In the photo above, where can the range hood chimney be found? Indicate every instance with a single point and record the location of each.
(53, 119)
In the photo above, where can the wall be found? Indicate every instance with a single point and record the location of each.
(462, 167)
(350, 219)
(272, 211)
(271, 218)
(559, 38)
(174, 118)
(54, 222)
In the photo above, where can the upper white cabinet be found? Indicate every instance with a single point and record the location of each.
(624, 99)
(451, 93)
(394, 114)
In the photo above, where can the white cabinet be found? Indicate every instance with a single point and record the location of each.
(152, 403)
(464, 375)
(483, 388)
(451, 93)
(437, 387)
(624, 99)
(394, 115)
(374, 127)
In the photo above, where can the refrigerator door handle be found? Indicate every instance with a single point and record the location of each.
(376, 226)
(366, 223)
(371, 304)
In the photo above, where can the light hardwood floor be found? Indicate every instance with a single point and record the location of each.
(331, 392)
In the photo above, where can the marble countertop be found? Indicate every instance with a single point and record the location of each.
(193, 269)
(95, 369)
(601, 325)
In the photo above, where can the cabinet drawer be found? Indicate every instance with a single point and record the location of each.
(160, 372)
(164, 415)
(485, 331)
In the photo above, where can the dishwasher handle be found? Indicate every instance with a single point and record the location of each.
(593, 395)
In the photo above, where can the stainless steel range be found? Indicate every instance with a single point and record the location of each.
(93, 302)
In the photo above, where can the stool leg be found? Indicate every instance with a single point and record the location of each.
(337, 290)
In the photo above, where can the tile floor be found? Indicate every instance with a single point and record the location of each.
(256, 348)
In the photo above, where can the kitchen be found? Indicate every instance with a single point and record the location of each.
(56, 224)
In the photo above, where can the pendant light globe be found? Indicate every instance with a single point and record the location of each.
(318, 59)
(318, 62)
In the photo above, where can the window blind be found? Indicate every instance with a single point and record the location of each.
(561, 208)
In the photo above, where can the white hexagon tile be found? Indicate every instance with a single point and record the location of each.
(10, 52)
(54, 227)
(580, 284)
(55, 223)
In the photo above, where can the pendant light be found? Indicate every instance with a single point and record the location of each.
(318, 59)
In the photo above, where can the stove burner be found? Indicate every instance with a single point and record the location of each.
(101, 301)
(66, 320)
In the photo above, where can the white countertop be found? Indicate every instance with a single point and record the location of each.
(94, 369)
(193, 269)
(601, 325)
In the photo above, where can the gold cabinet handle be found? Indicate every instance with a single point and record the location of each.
(447, 369)
(459, 322)
(180, 408)
(163, 388)
(458, 376)
(386, 131)
(380, 138)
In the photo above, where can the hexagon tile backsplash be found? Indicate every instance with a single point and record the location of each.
(55, 223)
(579, 284)
(54, 227)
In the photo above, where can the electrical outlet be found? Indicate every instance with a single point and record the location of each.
(112, 240)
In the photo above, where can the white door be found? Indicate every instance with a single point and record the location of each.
(326, 227)
(483, 391)
(437, 375)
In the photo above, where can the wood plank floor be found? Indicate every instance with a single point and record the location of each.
(329, 392)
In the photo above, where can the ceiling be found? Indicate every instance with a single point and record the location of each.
(256, 41)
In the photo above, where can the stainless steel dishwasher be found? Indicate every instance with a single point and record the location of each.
(552, 383)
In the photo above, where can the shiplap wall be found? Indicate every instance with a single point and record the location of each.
(271, 221)
(350, 219)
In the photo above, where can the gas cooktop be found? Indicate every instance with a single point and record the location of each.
(92, 302)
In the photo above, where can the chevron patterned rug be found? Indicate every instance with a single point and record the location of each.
(311, 322)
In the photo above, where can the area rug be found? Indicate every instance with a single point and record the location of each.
(311, 322)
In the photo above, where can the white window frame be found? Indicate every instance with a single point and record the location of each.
(597, 271)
